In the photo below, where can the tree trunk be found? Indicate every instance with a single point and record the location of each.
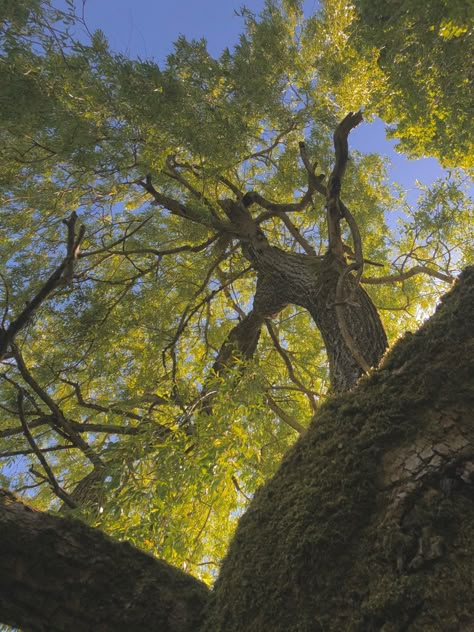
(350, 326)
(311, 282)
(369, 523)
(367, 526)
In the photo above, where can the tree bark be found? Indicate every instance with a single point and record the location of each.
(311, 282)
(367, 525)
(58, 575)
(350, 326)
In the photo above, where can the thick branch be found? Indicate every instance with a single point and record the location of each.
(252, 197)
(293, 230)
(340, 304)
(60, 575)
(179, 209)
(48, 420)
(368, 520)
(241, 342)
(314, 184)
(45, 420)
(62, 272)
(334, 211)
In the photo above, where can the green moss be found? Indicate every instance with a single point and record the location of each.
(313, 551)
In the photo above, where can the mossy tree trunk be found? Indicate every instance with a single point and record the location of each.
(368, 524)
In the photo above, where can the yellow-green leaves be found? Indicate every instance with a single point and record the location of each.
(423, 55)
(126, 349)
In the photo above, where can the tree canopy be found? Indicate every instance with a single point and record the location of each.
(185, 245)
(414, 64)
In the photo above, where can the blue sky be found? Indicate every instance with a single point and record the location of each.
(148, 28)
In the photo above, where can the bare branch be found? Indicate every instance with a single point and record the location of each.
(267, 150)
(178, 208)
(46, 420)
(173, 172)
(53, 448)
(7, 302)
(284, 416)
(304, 243)
(59, 419)
(231, 186)
(115, 243)
(403, 276)
(252, 197)
(289, 366)
(189, 313)
(49, 472)
(153, 251)
(334, 210)
(62, 272)
(111, 409)
(238, 488)
(314, 184)
(356, 238)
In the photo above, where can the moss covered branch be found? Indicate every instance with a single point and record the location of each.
(59, 575)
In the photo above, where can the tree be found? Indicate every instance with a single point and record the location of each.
(407, 63)
(182, 285)
(367, 524)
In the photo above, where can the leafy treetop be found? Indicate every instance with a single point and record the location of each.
(125, 281)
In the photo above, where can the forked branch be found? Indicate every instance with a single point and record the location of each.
(334, 211)
(57, 489)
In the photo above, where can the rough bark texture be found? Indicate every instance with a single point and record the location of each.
(369, 523)
(367, 526)
(311, 282)
(58, 575)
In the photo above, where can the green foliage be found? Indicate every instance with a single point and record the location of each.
(409, 63)
(329, 506)
(129, 343)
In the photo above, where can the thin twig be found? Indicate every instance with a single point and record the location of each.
(291, 372)
(403, 276)
(49, 473)
(53, 448)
